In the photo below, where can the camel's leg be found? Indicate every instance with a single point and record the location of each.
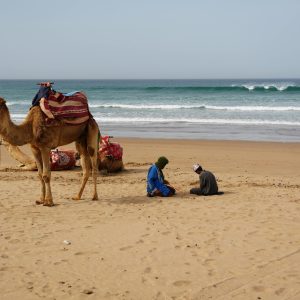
(39, 163)
(86, 167)
(92, 148)
(47, 176)
(94, 160)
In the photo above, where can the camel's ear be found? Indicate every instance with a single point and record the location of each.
(2, 101)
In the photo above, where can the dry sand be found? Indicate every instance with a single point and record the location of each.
(244, 244)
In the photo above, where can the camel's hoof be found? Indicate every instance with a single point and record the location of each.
(38, 202)
(95, 198)
(48, 204)
(76, 198)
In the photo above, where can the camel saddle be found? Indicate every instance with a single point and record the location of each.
(109, 149)
(70, 108)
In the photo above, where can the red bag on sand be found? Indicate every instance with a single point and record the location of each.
(113, 150)
(62, 159)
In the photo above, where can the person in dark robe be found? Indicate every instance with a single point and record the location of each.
(208, 183)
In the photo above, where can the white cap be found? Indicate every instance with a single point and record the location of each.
(196, 167)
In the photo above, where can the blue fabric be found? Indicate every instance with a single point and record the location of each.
(70, 93)
(155, 181)
(42, 93)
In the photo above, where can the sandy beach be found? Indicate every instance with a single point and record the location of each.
(244, 244)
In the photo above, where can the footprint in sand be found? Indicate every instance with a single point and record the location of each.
(279, 291)
(165, 233)
(258, 288)
(140, 242)
(207, 261)
(151, 250)
(180, 283)
(28, 273)
(14, 241)
(125, 248)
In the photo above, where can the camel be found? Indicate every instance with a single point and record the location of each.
(109, 164)
(42, 138)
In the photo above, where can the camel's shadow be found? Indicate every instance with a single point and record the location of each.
(124, 172)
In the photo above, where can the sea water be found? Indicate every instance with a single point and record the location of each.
(261, 110)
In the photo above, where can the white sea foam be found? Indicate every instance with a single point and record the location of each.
(249, 87)
(145, 106)
(194, 106)
(18, 116)
(278, 86)
(10, 103)
(199, 121)
(254, 108)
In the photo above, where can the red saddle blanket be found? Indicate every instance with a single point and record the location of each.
(113, 150)
(68, 107)
(62, 159)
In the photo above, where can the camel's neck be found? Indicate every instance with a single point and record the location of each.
(16, 135)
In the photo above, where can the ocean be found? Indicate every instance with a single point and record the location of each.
(256, 110)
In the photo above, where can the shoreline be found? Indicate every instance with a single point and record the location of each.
(205, 132)
(205, 140)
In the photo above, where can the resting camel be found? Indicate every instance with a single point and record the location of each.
(27, 163)
(43, 138)
(109, 164)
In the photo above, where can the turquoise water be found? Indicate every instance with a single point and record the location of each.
(266, 110)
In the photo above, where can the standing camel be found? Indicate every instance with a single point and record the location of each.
(43, 138)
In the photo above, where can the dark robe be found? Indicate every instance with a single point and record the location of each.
(208, 184)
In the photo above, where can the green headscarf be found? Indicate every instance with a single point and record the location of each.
(161, 162)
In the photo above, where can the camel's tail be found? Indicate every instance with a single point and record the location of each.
(93, 136)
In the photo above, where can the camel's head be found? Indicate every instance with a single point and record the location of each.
(3, 106)
(2, 102)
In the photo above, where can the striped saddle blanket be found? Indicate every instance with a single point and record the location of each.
(71, 109)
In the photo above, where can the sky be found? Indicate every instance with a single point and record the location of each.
(157, 39)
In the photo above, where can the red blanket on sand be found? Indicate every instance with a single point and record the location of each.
(64, 107)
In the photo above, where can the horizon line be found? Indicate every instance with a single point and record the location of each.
(244, 78)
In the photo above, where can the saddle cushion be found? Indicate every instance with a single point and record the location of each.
(113, 150)
(74, 107)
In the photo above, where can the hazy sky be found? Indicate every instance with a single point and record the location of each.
(139, 39)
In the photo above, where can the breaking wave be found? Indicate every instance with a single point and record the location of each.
(193, 106)
(199, 121)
